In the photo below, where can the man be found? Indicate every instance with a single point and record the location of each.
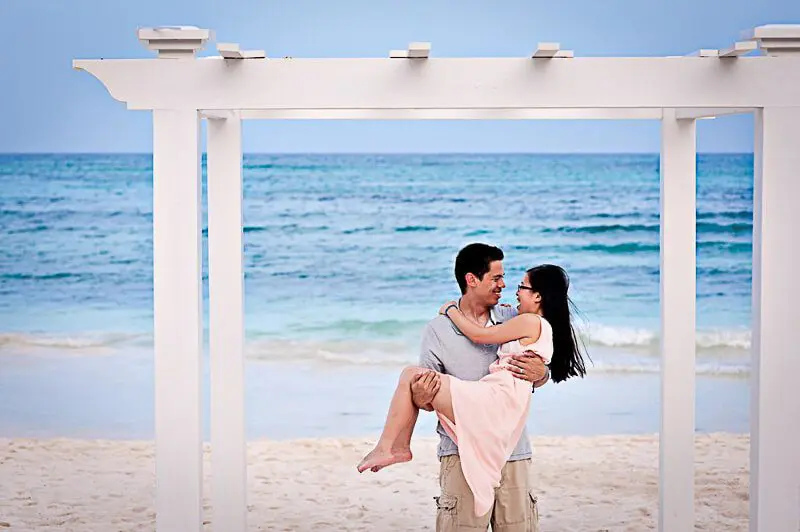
(480, 276)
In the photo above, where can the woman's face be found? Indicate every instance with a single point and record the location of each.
(527, 299)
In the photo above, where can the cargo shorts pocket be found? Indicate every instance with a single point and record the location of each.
(534, 512)
(446, 513)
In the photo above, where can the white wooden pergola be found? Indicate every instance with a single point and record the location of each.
(181, 90)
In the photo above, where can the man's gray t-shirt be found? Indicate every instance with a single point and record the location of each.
(446, 350)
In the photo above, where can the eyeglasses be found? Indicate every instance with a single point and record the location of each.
(523, 287)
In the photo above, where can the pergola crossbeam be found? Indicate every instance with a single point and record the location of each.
(703, 112)
(451, 83)
(443, 114)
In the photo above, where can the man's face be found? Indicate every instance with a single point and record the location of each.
(490, 288)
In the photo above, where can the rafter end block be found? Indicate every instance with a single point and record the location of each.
(419, 50)
(416, 50)
(232, 51)
(705, 52)
(739, 48)
(546, 50)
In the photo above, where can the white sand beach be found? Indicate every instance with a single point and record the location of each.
(601, 483)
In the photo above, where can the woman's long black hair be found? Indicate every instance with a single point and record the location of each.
(552, 283)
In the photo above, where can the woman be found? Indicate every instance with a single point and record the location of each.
(485, 417)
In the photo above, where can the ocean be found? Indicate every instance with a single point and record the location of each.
(346, 258)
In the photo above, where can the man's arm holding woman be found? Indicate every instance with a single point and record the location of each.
(526, 367)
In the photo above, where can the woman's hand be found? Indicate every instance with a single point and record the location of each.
(443, 310)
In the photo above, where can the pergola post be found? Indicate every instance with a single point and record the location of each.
(678, 289)
(226, 327)
(178, 318)
(775, 408)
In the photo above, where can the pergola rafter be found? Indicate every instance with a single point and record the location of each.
(181, 90)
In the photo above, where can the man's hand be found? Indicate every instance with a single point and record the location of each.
(528, 367)
(424, 387)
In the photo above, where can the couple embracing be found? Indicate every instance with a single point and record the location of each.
(479, 364)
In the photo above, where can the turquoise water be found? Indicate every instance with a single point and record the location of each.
(346, 257)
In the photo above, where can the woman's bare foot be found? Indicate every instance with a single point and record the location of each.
(377, 459)
(400, 455)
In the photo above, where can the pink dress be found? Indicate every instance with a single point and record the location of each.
(489, 417)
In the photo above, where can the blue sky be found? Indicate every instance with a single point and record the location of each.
(48, 107)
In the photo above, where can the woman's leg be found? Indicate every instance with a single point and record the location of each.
(400, 422)
(394, 445)
(441, 403)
